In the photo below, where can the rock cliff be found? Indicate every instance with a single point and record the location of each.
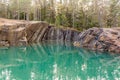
(38, 31)
(101, 39)
(12, 33)
(15, 33)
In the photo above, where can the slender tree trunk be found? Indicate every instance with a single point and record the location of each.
(27, 14)
(18, 9)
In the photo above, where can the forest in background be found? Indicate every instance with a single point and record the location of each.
(79, 14)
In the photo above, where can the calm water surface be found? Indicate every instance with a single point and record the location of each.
(57, 61)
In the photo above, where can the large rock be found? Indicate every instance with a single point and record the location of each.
(62, 34)
(36, 31)
(16, 32)
(12, 33)
(39, 31)
(102, 39)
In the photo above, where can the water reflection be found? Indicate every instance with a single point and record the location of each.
(57, 61)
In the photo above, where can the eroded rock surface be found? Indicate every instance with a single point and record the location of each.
(39, 31)
(12, 32)
(102, 39)
(16, 32)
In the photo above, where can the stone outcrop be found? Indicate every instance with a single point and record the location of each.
(39, 31)
(62, 34)
(101, 39)
(15, 32)
(36, 31)
(12, 33)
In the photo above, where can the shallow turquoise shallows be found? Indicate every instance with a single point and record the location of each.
(57, 61)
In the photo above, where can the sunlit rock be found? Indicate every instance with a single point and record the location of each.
(12, 32)
(76, 43)
(102, 39)
(18, 32)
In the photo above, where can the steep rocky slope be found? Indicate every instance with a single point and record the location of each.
(15, 32)
(102, 39)
(12, 32)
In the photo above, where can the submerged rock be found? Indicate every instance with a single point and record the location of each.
(102, 39)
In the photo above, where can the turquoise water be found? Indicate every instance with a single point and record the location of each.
(57, 61)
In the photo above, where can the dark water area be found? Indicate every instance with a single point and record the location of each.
(57, 61)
